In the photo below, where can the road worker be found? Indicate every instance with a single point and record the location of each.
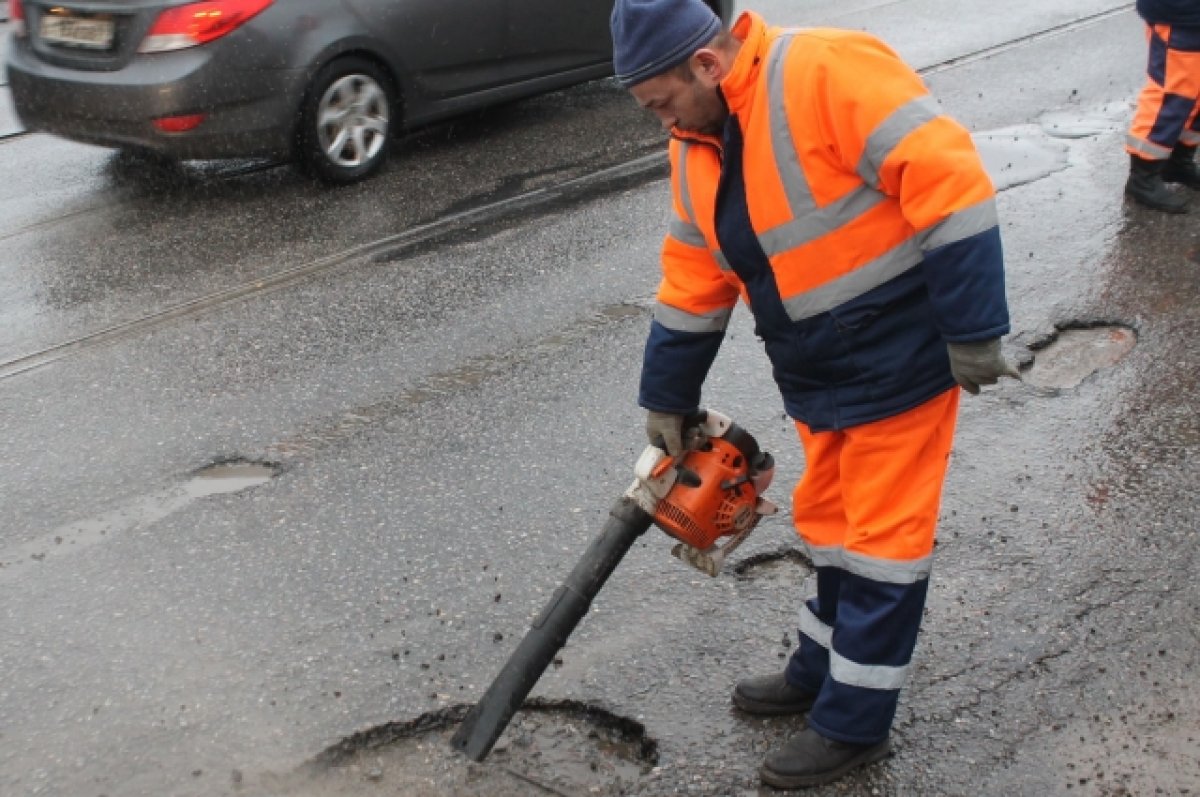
(813, 176)
(1166, 127)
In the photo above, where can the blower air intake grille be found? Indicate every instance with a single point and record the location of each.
(680, 524)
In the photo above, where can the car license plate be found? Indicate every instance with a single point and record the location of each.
(73, 31)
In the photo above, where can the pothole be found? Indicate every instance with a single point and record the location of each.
(229, 477)
(549, 747)
(785, 564)
(1063, 360)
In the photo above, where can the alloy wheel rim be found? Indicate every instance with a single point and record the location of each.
(352, 120)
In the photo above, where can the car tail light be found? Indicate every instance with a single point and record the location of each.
(197, 23)
(16, 17)
(179, 124)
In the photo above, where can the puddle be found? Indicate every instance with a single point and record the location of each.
(221, 478)
(229, 477)
(1075, 353)
(1019, 155)
(550, 747)
(1082, 124)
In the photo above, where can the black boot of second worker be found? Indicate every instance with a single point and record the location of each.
(810, 759)
(1182, 168)
(1146, 187)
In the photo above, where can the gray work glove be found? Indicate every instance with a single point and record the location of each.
(979, 363)
(666, 427)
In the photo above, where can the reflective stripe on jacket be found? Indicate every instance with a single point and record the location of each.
(873, 219)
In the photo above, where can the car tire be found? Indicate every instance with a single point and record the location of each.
(346, 123)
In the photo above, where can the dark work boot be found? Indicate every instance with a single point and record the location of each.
(1181, 167)
(810, 759)
(1146, 187)
(771, 695)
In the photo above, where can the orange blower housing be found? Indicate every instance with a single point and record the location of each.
(716, 493)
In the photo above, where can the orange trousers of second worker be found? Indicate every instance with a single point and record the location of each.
(1169, 103)
(875, 489)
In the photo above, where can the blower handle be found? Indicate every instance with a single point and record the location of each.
(691, 420)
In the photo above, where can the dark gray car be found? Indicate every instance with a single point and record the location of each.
(327, 82)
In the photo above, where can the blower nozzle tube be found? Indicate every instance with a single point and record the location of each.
(488, 718)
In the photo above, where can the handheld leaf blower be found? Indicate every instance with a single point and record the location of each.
(713, 489)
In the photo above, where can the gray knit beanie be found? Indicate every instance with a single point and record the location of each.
(652, 36)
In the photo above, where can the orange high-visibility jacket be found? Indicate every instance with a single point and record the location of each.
(853, 217)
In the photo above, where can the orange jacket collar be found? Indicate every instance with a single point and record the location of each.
(739, 85)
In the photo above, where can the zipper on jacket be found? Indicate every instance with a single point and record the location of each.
(740, 243)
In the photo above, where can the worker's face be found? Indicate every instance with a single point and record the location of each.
(689, 100)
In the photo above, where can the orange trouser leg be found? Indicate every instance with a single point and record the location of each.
(1168, 103)
(876, 489)
(867, 510)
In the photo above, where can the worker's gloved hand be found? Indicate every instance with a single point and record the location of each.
(979, 363)
(666, 427)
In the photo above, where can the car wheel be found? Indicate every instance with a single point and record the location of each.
(346, 122)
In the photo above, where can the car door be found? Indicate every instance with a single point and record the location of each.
(448, 47)
(548, 36)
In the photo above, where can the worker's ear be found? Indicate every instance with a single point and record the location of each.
(708, 66)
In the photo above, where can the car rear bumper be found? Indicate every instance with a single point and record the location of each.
(255, 117)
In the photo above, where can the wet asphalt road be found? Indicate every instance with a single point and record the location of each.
(452, 419)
